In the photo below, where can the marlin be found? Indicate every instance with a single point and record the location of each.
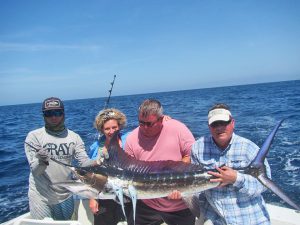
(122, 175)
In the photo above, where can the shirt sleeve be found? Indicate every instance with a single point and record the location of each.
(197, 150)
(93, 154)
(37, 166)
(128, 149)
(187, 140)
(123, 138)
(80, 153)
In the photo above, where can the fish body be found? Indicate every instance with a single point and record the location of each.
(121, 175)
(150, 179)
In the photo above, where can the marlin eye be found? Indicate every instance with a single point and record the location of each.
(81, 172)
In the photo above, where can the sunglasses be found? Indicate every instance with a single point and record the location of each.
(220, 123)
(56, 113)
(148, 124)
(108, 115)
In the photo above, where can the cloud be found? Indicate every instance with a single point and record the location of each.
(17, 47)
(16, 71)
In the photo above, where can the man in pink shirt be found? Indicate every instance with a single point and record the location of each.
(156, 139)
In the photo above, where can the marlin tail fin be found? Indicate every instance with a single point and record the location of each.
(257, 169)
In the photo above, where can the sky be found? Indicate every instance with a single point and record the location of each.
(72, 48)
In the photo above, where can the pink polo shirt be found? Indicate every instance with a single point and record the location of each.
(173, 143)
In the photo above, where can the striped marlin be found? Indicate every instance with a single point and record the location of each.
(122, 175)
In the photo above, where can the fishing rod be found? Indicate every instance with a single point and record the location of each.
(112, 85)
(47, 163)
(99, 136)
(37, 149)
(107, 101)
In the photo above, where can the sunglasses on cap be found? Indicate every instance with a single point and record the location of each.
(56, 113)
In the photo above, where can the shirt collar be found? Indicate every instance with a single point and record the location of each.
(219, 149)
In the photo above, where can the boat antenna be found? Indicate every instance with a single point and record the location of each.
(107, 100)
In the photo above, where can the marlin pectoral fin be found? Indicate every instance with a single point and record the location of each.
(193, 203)
(119, 193)
(276, 190)
(133, 196)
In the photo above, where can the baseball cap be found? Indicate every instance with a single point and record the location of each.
(218, 115)
(52, 103)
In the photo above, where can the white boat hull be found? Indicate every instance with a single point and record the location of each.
(83, 216)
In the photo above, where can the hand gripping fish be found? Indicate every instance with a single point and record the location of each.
(122, 175)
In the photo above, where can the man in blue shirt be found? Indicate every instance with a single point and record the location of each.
(238, 199)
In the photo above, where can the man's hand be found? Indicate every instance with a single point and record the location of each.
(225, 176)
(43, 155)
(175, 195)
(166, 117)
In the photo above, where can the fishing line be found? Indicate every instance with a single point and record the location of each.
(47, 163)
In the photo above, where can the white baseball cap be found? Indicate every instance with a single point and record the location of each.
(218, 115)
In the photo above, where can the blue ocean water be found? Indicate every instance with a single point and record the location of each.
(256, 109)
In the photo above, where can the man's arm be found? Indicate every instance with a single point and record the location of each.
(37, 166)
(80, 153)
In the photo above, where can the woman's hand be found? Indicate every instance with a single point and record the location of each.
(94, 206)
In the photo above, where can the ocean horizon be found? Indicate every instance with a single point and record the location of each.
(256, 109)
(104, 98)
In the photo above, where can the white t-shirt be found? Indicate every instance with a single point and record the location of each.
(64, 148)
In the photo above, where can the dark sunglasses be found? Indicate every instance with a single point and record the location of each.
(148, 124)
(220, 123)
(50, 113)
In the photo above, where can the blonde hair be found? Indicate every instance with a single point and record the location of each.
(109, 114)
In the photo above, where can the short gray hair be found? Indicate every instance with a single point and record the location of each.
(151, 107)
